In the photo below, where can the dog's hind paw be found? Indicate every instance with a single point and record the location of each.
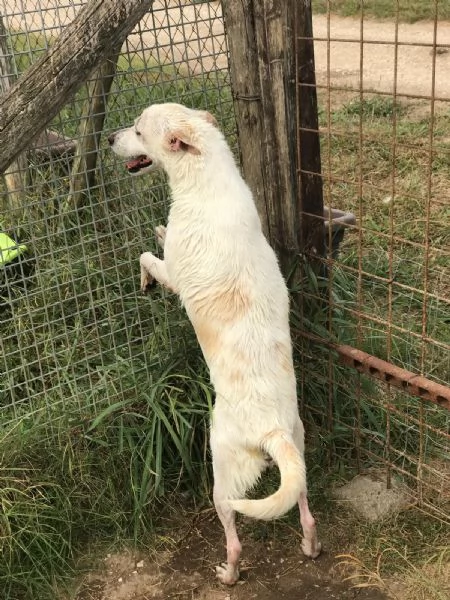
(160, 233)
(311, 548)
(227, 574)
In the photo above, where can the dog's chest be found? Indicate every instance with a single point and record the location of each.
(188, 254)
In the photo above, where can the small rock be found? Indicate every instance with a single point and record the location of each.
(120, 579)
(368, 496)
(140, 564)
(387, 200)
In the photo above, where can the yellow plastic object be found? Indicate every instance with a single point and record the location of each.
(9, 249)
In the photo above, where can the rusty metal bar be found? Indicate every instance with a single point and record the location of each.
(416, 385)
(411, 383)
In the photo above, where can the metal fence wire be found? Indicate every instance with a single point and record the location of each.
(383, 125)
(71, 312)
(74, 327)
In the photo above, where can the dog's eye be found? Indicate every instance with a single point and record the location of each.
(138, 133)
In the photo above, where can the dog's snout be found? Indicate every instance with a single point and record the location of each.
(111, 138)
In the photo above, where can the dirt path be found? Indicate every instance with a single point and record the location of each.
(414, 63)
(192, 36)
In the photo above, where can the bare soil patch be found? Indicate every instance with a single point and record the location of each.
(273, 568)
(343, 46)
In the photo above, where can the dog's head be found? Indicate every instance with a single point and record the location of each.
(162, 133)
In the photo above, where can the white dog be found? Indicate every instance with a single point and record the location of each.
(227, 276)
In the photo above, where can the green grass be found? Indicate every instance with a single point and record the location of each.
(406, 10)
(394, 227)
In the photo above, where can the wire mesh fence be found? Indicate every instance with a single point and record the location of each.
(70, 309)
(76, 336)
(384, 118)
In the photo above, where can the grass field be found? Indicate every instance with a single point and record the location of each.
(105, 398)
(405, 219)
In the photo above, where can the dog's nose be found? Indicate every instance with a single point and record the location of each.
(111, 138)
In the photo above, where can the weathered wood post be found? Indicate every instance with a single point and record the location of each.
(310, 198)
(89, 131)
(271, 56)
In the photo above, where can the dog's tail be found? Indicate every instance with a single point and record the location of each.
(280, 446)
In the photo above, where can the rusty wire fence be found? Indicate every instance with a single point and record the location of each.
(73, 326)
(384, 120)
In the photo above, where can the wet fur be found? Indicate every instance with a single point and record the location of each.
(228, 279)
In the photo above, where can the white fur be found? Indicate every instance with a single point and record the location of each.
(227, 276)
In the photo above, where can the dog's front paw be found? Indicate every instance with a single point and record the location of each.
(147, 279)
(160, 233)
(227, 574)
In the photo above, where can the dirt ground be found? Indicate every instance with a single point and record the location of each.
(193, 37)
(273, 568)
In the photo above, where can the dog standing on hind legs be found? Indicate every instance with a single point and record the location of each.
(218, 261)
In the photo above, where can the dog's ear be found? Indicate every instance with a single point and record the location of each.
(208, 117)
(183, 140)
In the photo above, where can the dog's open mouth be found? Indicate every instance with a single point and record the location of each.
(138, 163)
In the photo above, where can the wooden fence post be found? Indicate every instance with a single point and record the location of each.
(89, 132)
(310, 198)
(244, 68)
(267, 52)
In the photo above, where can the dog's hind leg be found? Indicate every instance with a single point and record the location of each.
(227, 573)
(311, 546)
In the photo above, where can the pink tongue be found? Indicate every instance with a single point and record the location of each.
(140, 161)
(133, 163)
